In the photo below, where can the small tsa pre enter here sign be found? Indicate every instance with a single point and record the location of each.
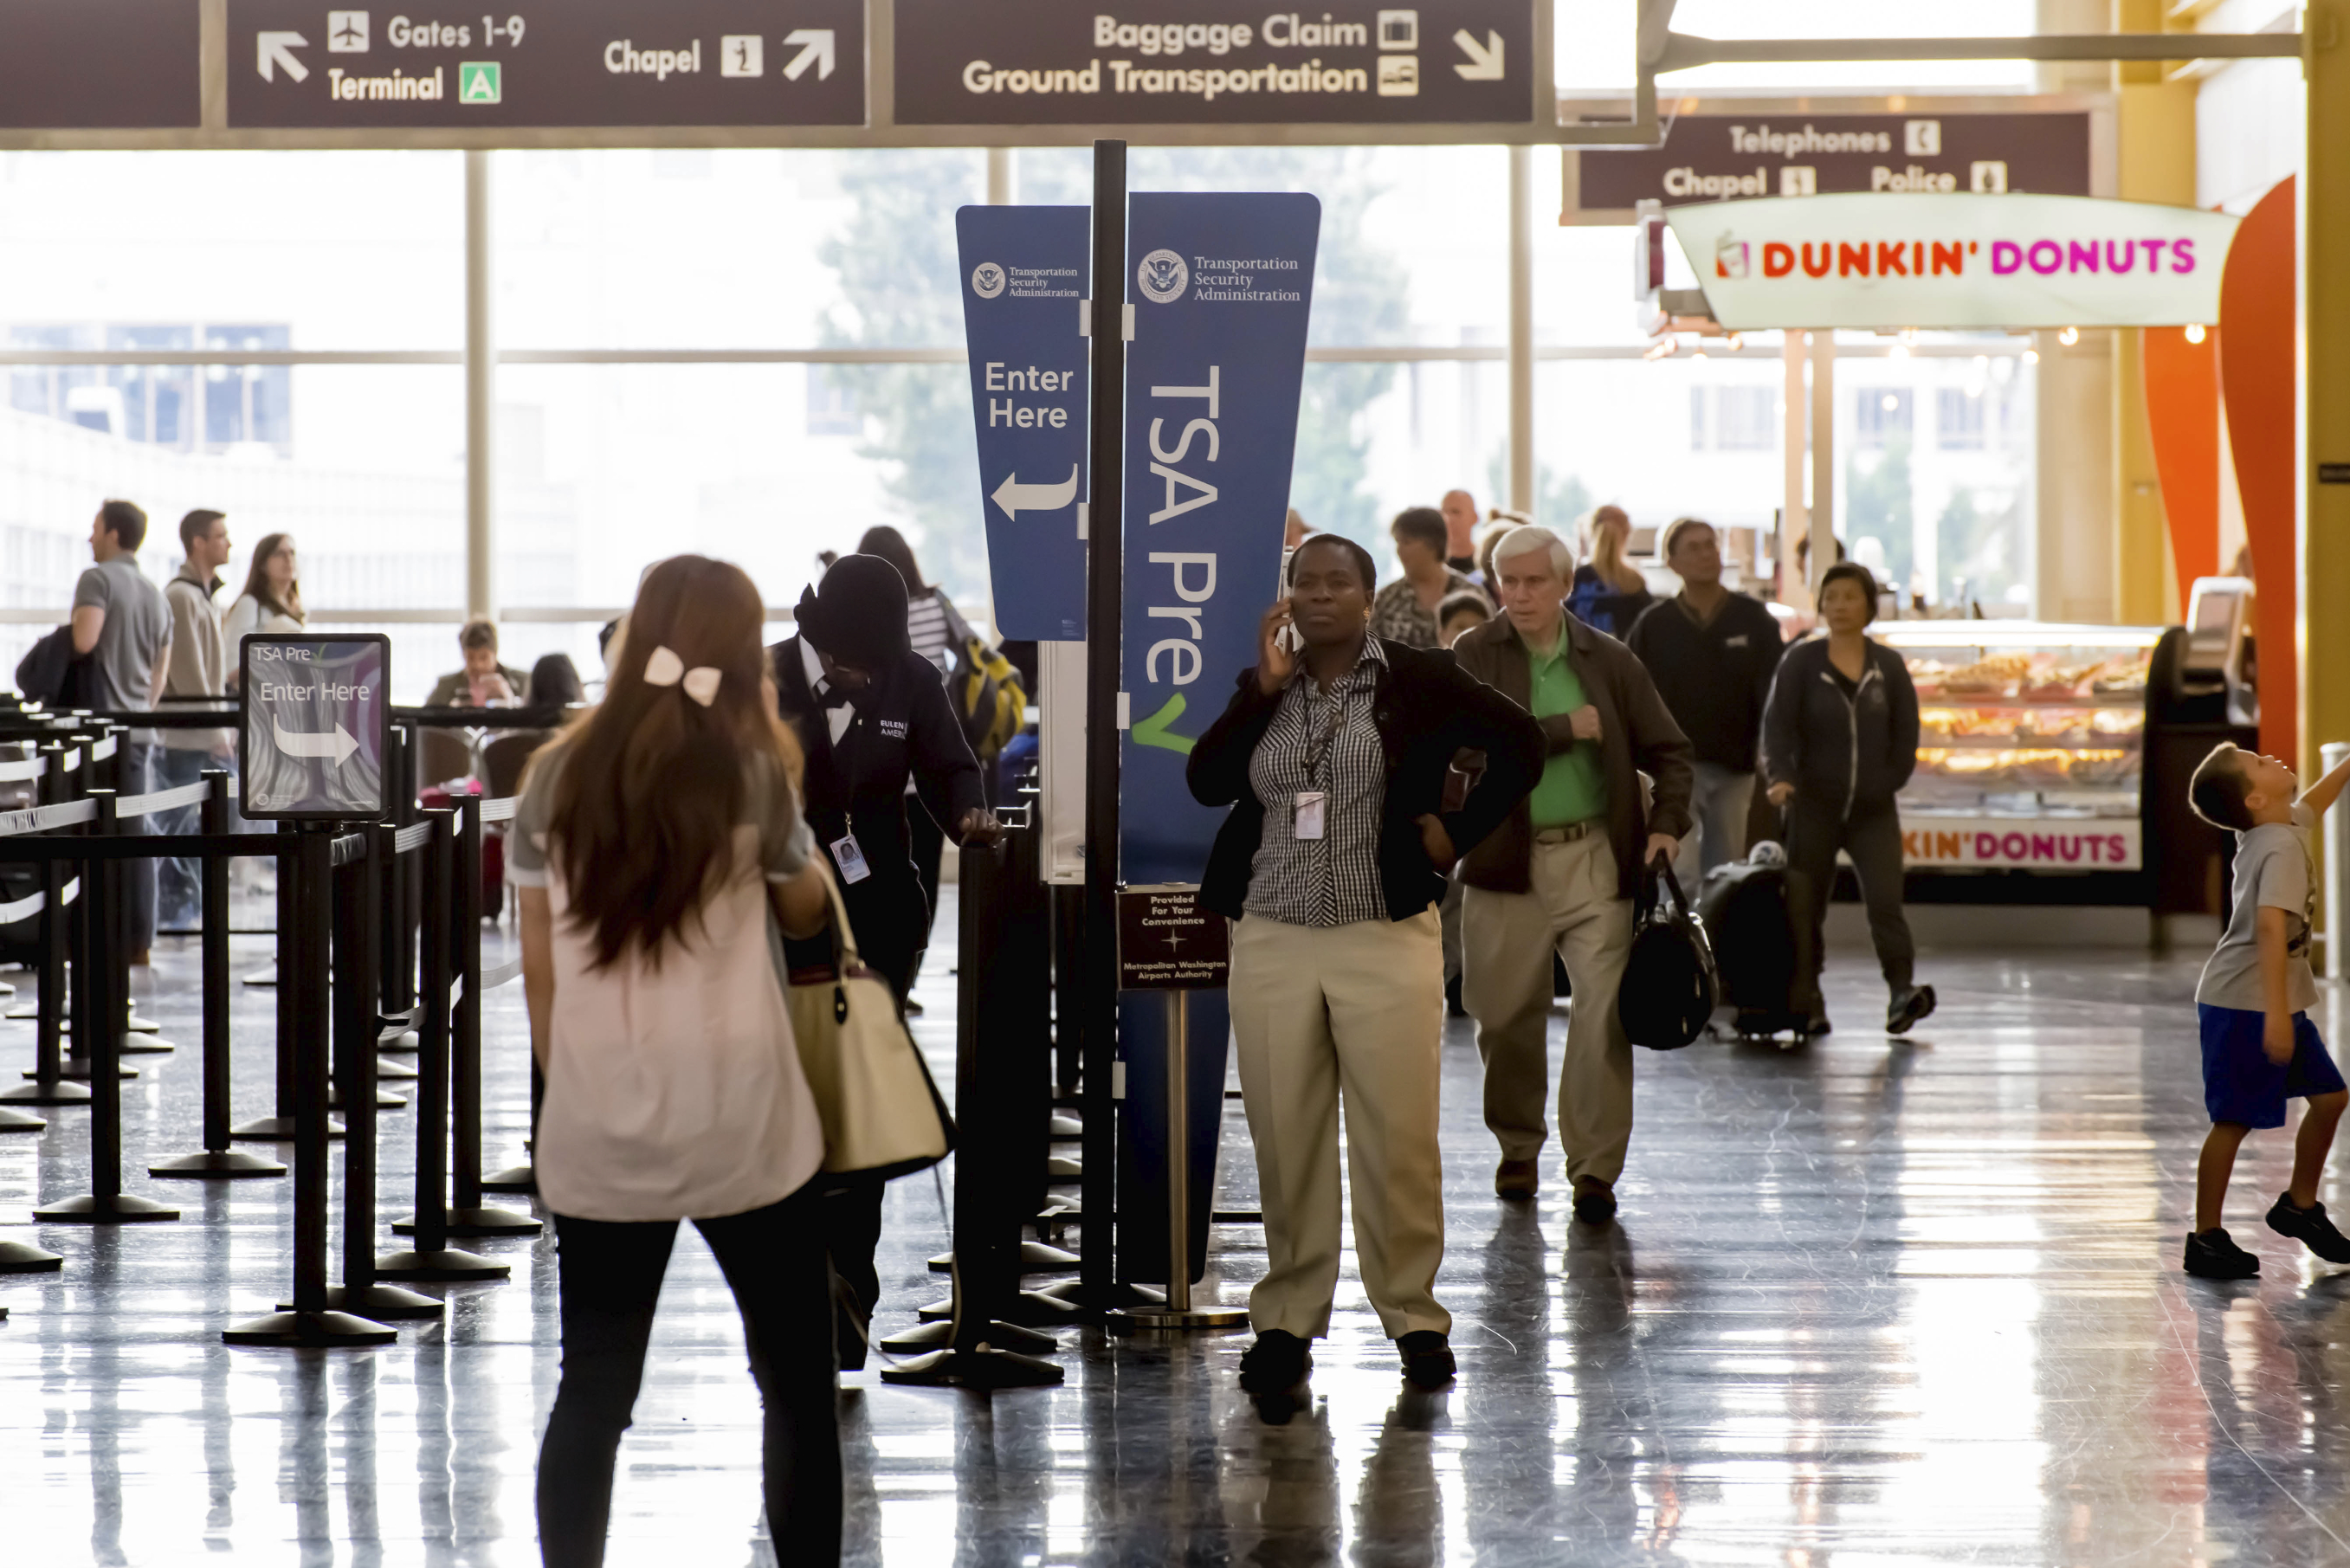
(1166, 942)
(318, 723)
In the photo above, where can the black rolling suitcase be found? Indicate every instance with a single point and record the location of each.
(1744, 907)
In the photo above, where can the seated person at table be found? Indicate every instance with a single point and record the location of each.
(484, 683)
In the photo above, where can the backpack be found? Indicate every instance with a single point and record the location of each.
(986, 691)
(1669, 988)
(1745, 906)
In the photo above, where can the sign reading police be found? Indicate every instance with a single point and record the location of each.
(1023, 271)
(534, 63)
(317, 727)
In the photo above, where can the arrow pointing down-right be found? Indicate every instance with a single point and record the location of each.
(1484, 59)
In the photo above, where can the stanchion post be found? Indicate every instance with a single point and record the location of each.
(49, 1086)
(285, 1122)
(433, 1258)
(302, 972)
(468, 1216)
(99, 1012)
(1179, 1312)
(218, 1161)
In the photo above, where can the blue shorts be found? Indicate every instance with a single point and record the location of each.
(2240, 1084)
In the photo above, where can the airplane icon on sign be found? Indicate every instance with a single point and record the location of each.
(347, 32)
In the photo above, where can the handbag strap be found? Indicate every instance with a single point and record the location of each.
(844, 938)
(1656, 879)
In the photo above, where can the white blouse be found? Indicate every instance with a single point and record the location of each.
(247, 617)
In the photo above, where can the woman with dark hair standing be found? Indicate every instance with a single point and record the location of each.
(1839, 742)
(272, 600)
(650, 840)
(1333, 756)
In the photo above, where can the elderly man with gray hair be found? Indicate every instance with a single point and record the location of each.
(1560, 875)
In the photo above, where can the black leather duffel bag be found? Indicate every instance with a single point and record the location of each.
(1669, 985)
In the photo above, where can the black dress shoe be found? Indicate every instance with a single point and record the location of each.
(1277, 1363)
(1595, 1202)
(2311, 1228)
(2213, 1255)
(1909, 1004)
(1426, 1359)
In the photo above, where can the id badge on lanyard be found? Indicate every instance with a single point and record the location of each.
(1310, 810)
(851, 858)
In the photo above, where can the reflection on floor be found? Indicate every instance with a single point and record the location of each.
(1868, 1303)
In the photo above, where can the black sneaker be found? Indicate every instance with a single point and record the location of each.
(1909, 1004)
(1817, 1025)
(1277, 1363)
(2311, 1228)
(1426, 1359)
(2213, 1255)
(1594, 1201)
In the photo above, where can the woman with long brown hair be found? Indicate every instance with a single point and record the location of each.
(649, 836)
(1608, 592)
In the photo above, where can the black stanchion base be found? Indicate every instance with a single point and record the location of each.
(17, 1121)
(984, 1369)
(1168, 1320)
(310, 1331)
(76, 1069)
(1067, 1129)
(392, 1040)
(262, 976)
(385, 1100)
(22, 1010)
(392, 1068)
(276, 1129)
(1000, 1335)
(1029, 1309)
(218, 1164)
(1035, 1258)
(447, 1266)
(1061, 1167)
(139, 1025)
(483, 1221)
(122, 1208)
(146, 1045)
(24, 1258)
(513, 1179)
(36, 1093)
(385, 1303)
(1109, 1298)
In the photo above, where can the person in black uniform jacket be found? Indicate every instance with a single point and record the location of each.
(870, 714)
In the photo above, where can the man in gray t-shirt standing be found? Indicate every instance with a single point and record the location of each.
(120, 621)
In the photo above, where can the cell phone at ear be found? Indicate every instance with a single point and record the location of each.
(1285, 637)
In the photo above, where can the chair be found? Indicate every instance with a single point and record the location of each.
(443, 756)
(503, 759)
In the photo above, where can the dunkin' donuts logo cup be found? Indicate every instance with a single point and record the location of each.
(1728, 257)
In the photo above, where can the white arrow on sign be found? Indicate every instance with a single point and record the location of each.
(818, 42)
(1484, 59)
(294, 744)
(278, 49)
(1015, 497)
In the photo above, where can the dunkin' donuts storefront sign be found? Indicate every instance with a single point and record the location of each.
(2020, 843)
(1958, 261)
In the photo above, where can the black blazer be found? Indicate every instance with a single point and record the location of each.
(1427, 710)
(905, 727)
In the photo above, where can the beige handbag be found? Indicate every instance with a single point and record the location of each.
(882, 1114)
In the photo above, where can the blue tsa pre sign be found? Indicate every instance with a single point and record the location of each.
(1023, 276)
(1221, 284)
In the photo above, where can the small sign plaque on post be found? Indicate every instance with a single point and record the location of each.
(1166, 942)
(317, 726)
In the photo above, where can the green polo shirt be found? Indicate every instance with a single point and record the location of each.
(1573, 789)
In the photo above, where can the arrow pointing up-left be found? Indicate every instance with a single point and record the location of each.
(278, 49)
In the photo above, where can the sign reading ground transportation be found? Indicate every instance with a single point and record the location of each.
(1207, 62)
(101, 65)
(1166, 942)
(318, 723)
(1223, 285)
(2021, 843)
(546, 63)
(1023, 270)
(1883, 262)
(1734, 157)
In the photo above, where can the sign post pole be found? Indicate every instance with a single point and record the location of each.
(1179, 1312)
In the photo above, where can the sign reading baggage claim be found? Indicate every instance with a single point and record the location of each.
(294, 63)
(1212, 62)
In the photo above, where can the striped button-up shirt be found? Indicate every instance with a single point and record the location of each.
(1326, 743)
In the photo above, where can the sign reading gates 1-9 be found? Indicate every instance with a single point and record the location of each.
(317, 725)
(528, 63)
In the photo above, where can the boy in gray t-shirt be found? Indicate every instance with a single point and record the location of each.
(2260, 1048)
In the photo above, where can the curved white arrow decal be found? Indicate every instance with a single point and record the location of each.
(295, 744)
(818, 48)
(1484, 59)
(1015, 497)
(278, 49)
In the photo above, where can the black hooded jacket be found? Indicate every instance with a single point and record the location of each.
(1837, 750)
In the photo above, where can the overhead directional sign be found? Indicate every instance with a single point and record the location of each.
(1741, 157)
(544, 63)
(1023, 271)
(317, 727)
(1197, 62)
(101, 65)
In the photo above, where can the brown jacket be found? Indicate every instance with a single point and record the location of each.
(1637, 735)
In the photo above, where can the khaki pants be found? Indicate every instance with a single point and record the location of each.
(1356, 1012)
(1507, 940)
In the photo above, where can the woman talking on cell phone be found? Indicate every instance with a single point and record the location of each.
(1333, 755)
(651, 839)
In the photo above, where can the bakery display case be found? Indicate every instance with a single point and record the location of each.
(2033, 744)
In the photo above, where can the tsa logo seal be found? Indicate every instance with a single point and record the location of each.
(1163, 277)
(987, 280)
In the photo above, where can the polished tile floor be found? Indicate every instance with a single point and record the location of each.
(1868, 1304)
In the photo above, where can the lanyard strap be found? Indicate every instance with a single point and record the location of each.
(1320, 747)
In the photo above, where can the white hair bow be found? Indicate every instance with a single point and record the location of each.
(664, 668)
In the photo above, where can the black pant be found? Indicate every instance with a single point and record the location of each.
(612, 1273)
(926, 847)
(1871, 835)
